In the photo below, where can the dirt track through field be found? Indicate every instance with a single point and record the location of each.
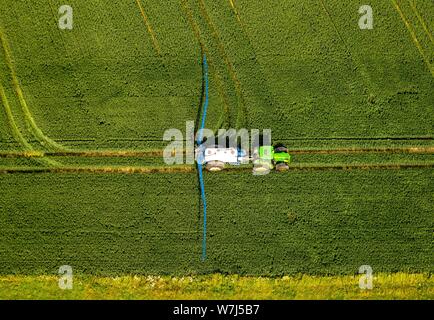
(191, 169)
(124, 170)
(419, 150)
(159, 153)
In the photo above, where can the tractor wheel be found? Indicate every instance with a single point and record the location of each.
(215, 166)
(282, 166)
(260, 169)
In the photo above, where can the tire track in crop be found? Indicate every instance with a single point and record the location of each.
(235, 10)
(361, 68)
(413, 36)
(421, 20)
(192, 169)
(219, 82)
(344, 167)
(399, 150)
(157, 47)
(17, 135)
(115, 170)
(224, 116)
(33, 127)
(242, 109)
(242, 115)
(159, 153)
(152, 139)
(357, 138)
(151, 32)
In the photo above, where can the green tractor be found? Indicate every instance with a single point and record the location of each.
(281, 157)
(265, 158)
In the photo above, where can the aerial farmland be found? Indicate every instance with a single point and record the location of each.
(106, 177)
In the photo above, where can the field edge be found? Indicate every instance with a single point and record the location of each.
(386, 286)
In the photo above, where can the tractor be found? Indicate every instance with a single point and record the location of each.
(281, 157)
(265, 158)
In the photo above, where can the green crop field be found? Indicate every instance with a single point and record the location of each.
(83, 112)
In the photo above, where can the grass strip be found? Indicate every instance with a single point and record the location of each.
(217, 286)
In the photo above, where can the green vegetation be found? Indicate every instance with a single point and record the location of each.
(129, 70)
(315, 222)
(217, 286)
(102, 79)
(310, 74)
